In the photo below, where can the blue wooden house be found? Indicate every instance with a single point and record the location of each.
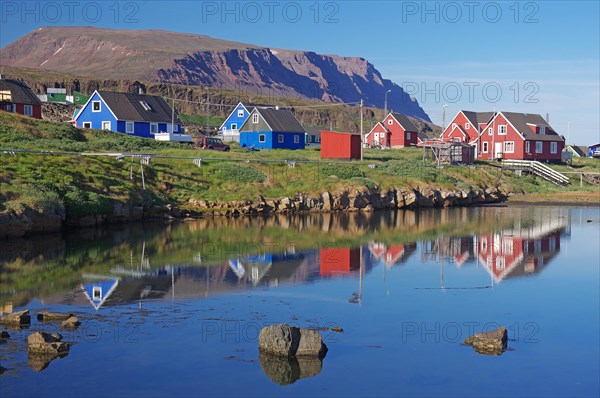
(230, 129)
(593, 148)
(136, 114)
(272, 129)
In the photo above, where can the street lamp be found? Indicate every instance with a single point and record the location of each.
(385, 103)
(443, 118)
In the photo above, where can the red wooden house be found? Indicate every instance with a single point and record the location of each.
(510, 135)
(466, 126)
(336, 145)
(395, 131)
(17, 97)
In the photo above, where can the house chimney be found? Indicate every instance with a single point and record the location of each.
(140, 90)
(277, 107)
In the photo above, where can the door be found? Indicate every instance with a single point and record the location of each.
(105, 125)
(376, 139)
(498, 150)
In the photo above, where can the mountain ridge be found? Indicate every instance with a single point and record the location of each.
(200, 60)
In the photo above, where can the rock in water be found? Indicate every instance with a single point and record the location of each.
(490, 343)
(4, 335)
(16, 318)
(290, 341)
(52, 316)
(70, 323)
(45, 344)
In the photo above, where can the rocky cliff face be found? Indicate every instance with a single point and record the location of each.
(170, 57)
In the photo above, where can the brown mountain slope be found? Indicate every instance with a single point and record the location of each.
(189, 59)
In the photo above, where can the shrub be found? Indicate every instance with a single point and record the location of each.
(364, 181)
(236, 172)
(80, 203)
(342, 171)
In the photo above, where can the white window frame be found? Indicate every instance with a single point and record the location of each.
(527, 147)
(153, 126)
(390, 121)
(553, 147)
(484, 147)
(539, 147)
(86, 125)
(109, 125)
(296, 139)
(454, 125)
(502, 129)
(99, 106)
(28, 110)
(280, 138)
(240, 113)
(262, 138)
(127, 130)
(509, 147)
(408, 135)
(467, 126)
(255, 118)
(542, 130)
(233, 126)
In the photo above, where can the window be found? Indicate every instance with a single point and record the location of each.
(539, 147)
(390, 121)
(509, 147)
(11, 107)
(28, 111)
(234, 126)
(262, 137)
(467, 126)
(240, 113)
(105, 125)
(175, 128)
(129, 127)
(255, 118)
(490, 131)
(146, 106)
(527, 147)
(485, 147)
(77, 98)
(542, 130)
(153, 128)
(96, 106)
(502, 129)
(87, 125)
(408, 136)
(453, 125)
(97, 292)
(553, 147)
(456, 139)
(296, 139)
(280, 138)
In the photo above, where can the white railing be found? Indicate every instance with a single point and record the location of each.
(539, 169)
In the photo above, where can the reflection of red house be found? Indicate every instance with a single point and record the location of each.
(337, 261)
(509, 256)
(376, 249)
(392, 254)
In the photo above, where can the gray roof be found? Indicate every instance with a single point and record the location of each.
(19, 91)
(405, 122)
(477, 118)
(129, 107)
(580, 150)
(316, 131)
(521, 120)
(281, 120)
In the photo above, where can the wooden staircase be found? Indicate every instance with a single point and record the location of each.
(538, 169)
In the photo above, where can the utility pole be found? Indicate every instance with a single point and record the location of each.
(443, 119)
(385, 103)
(568, 132)
(361, 130)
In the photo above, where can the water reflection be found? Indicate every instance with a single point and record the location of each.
(215, 256)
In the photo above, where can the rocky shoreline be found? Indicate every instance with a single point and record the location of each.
(369, 199)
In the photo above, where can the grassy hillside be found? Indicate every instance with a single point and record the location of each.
(88, 184)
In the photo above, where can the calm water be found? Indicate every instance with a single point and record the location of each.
(175, 309)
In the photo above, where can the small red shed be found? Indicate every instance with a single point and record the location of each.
(337, 145)
(338, 261)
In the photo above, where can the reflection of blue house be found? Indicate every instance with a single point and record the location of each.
(230, 129)
(135, 114)
(272, 129)
(98, 292)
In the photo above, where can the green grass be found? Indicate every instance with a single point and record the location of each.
(86, 184)
(211, 121)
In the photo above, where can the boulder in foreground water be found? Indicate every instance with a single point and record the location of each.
(290, 341)
(16, 318)
(71, 323)
(490, 343)
(52, 316)
(45, 344)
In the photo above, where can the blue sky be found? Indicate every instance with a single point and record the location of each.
(528, 56)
